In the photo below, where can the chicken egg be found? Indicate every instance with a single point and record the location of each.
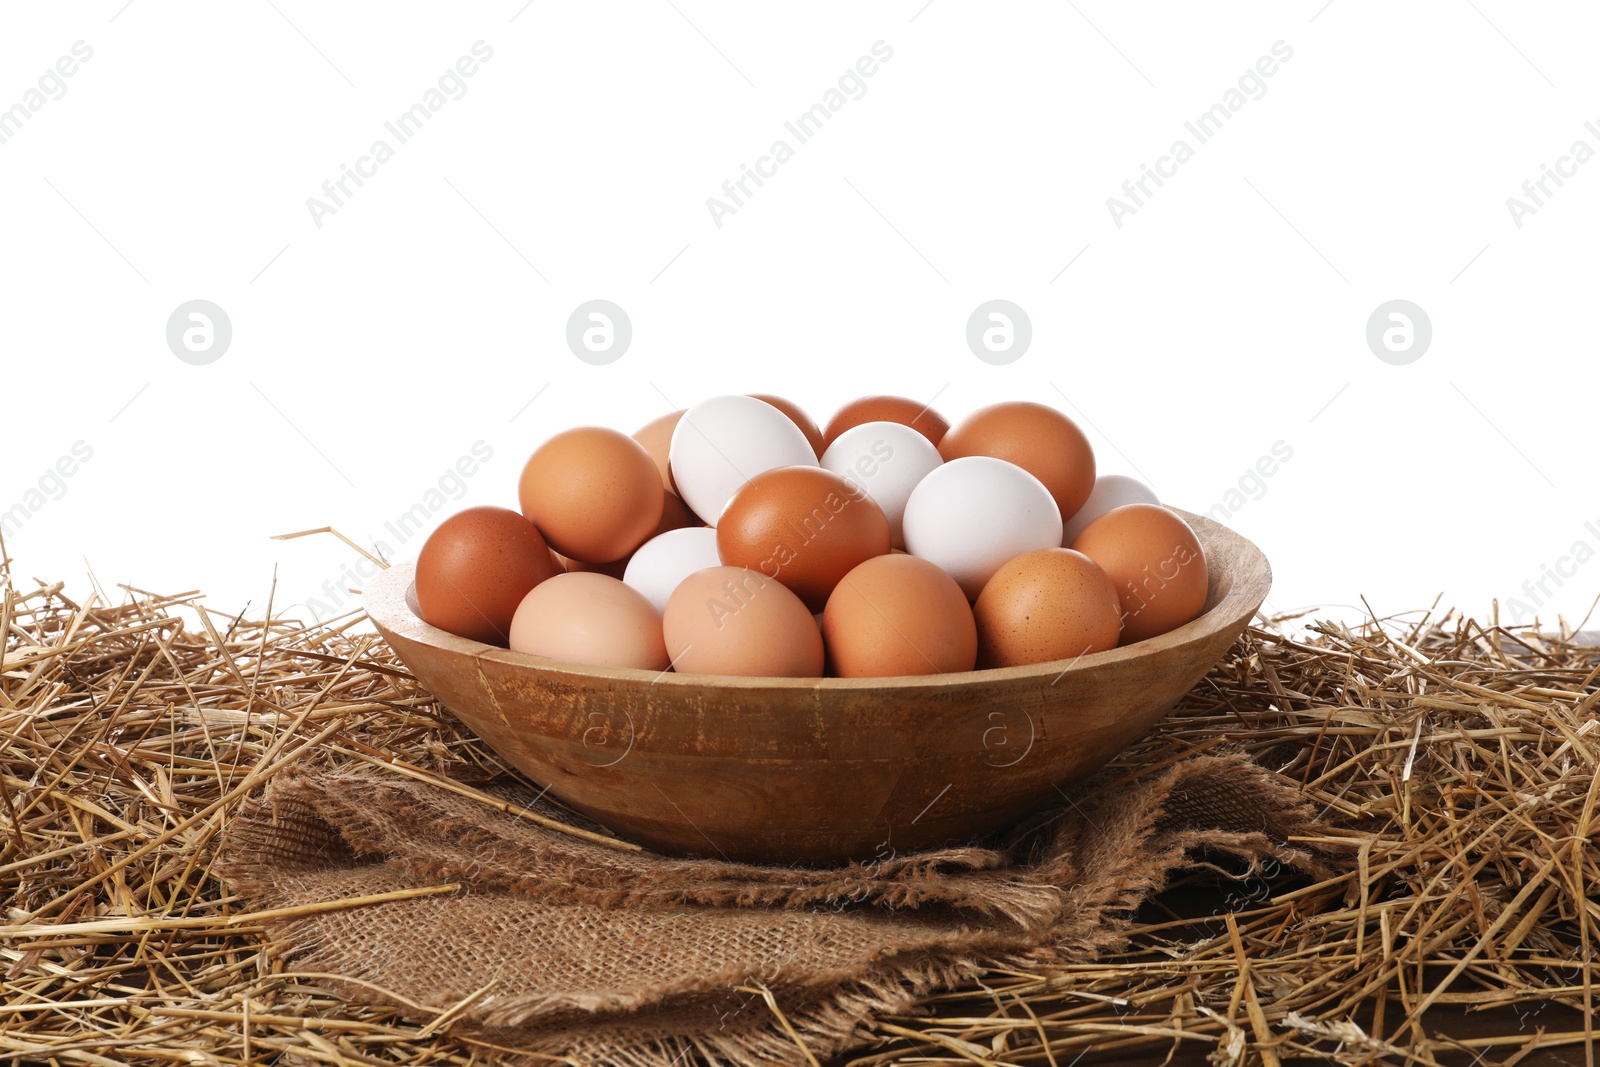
(1156, 564)
(971, 515)
(731, 620)
(723, 442)
(656, 437)
(919, 417)
(675, 515)
(594, 493)
(797, 416)
(804, 526)
(1110, 491)
(665, 560)
(1037, 438)
(588, 618)
(1047, 604)
(474, 570)
(898, 615)
(887, 459)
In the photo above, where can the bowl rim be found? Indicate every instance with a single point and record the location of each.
(1247, 574)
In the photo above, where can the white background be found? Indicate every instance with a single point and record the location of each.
(428, 313)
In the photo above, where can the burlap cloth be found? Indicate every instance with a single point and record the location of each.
(571, 948)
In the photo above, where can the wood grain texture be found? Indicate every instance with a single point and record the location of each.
(819, 770)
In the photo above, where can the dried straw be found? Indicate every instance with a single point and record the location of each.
(1458, 759)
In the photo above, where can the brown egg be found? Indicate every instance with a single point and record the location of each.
(731, 620)
(655, 436)
(591, 619)
(594, 493)
(614, 569)
(897, 615)
(1037, 438)
(475, 569)
(1155, 562)
(919, 417)
(1047, 604)
(675, 515)
(797, 416)
(804, 526)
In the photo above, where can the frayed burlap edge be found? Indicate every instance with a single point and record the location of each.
(1097, 860)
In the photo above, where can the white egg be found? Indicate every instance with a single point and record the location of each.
(972, 515)
(1110, 491)
(886, 459)
(657, 566)
(723, 442)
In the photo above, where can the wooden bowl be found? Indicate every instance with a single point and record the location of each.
(818, 770)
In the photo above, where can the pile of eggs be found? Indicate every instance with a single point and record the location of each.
(737, 538)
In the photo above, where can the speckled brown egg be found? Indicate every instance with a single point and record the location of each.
(1156, 564)
(475, 569)
(1047, 604)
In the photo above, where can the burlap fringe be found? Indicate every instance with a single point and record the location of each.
(1061, 891)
